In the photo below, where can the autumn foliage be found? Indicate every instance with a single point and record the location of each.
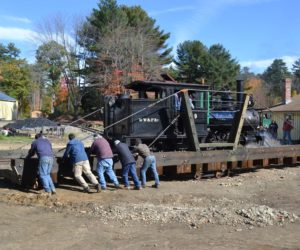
(255, 87)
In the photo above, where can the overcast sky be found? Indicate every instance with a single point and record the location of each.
(254, 31)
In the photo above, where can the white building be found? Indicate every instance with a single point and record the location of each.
(8, 107)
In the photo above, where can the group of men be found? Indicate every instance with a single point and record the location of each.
(76, 152)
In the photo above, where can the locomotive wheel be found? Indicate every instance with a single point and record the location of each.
(218, 174)
(212, 137)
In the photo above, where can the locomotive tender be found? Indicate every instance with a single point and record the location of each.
(149, 111)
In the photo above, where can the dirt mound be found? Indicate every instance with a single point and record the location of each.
(64, 119)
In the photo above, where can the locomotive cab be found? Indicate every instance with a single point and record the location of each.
(148, 110)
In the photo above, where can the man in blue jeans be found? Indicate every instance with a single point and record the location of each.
(149, 162)
(128, 164)
(43, 148)
(104, 155)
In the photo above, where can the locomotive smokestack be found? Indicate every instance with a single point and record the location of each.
(240, 91)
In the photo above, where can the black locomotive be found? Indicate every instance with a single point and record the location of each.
(151, 111)
(222, 113)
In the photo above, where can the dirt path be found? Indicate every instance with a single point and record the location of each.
(256, 210)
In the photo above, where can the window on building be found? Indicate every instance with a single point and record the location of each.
(289, 115)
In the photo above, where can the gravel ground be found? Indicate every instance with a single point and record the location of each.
(254, 210)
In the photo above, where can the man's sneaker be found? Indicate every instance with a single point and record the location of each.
(87, 190)
(53, 192)
(155, 185)
(44, 193)
(118, 187)
(103, 188)
(127, 188)
(143, 186)
(98, 188)
(137, 188)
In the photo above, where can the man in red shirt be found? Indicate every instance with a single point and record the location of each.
(103, 152)
(287, 127)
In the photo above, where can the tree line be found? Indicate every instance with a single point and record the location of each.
(78, 62)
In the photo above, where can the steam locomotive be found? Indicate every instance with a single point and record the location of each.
(222, 114)
(149, 111)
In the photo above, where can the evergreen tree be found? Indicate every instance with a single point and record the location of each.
(296, 75)
(222, 70)
(274, 75)
(9, 52)
(123, 42)
(192, 59)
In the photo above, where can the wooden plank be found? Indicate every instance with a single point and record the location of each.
(159, 170)
(185, 168)
(235, 133)
(240, 154)
(265, 163)
(294, 160)
(216, 145)
(190, 122)
(289, 160)
(233, 164)
(280, 161)
(212, 166)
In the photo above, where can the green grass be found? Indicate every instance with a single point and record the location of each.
(14, 139)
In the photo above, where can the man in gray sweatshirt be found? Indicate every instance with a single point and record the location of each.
(149, 162)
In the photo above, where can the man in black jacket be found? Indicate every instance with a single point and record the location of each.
(128, 164)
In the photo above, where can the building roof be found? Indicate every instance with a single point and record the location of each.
(148, 85)
(4, 97)
(293, 106)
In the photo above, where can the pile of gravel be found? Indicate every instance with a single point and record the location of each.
(220, 211)
(31, 123)
(193, 214)
(264, 215)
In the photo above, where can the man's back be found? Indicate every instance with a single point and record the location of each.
(101, 148)
(76, 151)
(125, 155)
(42, 147)
(143, 150)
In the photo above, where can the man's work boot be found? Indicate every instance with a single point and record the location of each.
(87, 190)
(98, 188)
(118, 186)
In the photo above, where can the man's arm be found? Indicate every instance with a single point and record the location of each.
(92, 149)
(32, 150)
(67, 152)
